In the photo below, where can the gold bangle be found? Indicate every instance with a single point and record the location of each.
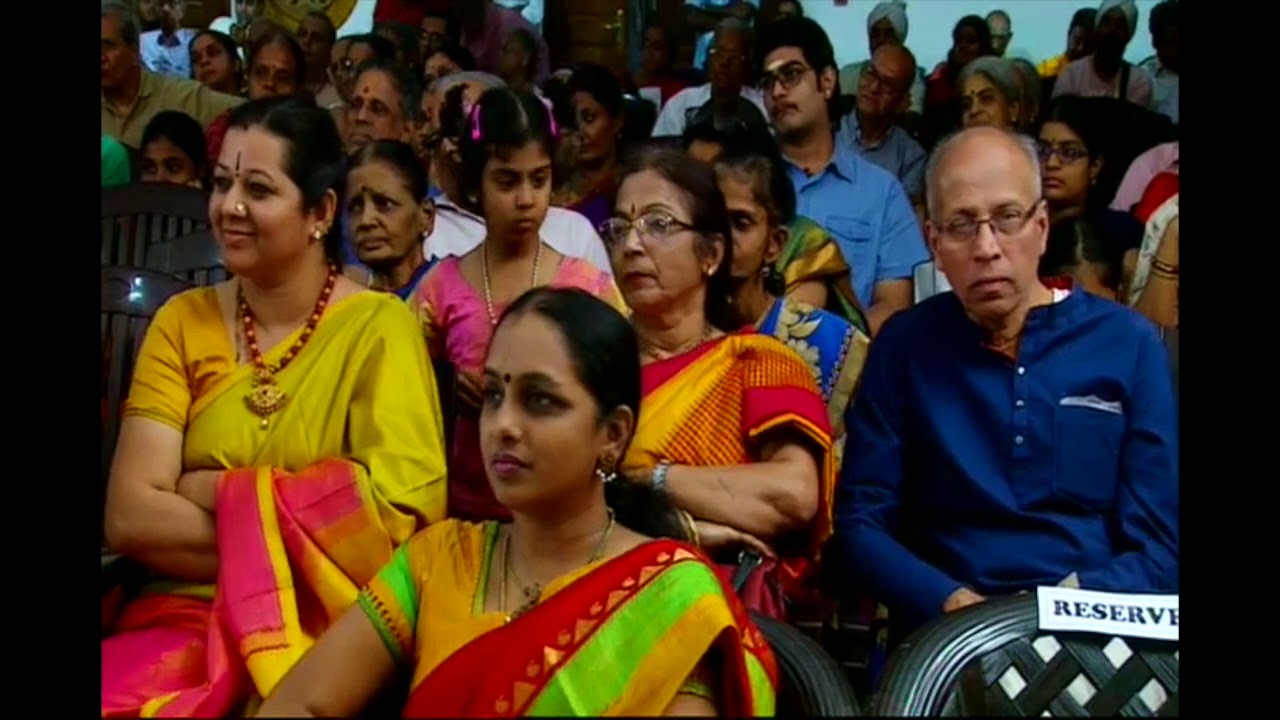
(691, 526)
(1164, 267)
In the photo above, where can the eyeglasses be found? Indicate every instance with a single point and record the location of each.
(877, 83)
(1004, 223)
(652, 227)
(1067, 153)
(789, 75)
(725, 55)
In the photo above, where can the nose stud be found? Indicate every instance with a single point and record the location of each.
(241, 209)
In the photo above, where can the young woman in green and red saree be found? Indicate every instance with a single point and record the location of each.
(573, 608)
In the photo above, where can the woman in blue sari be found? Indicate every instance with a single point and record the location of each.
(762, 206)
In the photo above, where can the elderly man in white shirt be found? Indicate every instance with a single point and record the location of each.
(725, 92)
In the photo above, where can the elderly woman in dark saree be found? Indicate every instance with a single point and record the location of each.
(389, 215)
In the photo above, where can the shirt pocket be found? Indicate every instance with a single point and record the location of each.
(1088, 439)
(854, 237)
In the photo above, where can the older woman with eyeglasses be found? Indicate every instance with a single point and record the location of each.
(991, 93)
(732, 426)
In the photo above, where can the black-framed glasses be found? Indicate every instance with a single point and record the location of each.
(877, 83)
(652, 227)
(1068, 154)
(789, 75)
(1005, 222)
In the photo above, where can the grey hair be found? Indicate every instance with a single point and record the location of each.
(732, 24)
(1025, 145)
(1001, 74)
(128, 20)
(1032, 87)
(407, 85)
(488, 81)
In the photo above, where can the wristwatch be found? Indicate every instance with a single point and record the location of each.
(658, 478)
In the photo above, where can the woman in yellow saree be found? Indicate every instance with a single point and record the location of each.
(282, 436)
(733, 427)
(569, 610)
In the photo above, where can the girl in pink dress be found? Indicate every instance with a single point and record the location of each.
(506, 176)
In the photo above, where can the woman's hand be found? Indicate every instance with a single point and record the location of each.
(714, 536)
(200, 487)
(469, 389)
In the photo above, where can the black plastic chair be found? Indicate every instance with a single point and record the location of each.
(992, 660)
(194, 257)
(138, 215)
(810, 682)
(130, 298)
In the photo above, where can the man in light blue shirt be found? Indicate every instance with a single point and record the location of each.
(862, 205)
(704, 15)
(167, 50)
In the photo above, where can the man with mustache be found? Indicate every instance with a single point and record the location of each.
(863, 206)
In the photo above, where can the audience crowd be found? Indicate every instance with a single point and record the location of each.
(520, 364)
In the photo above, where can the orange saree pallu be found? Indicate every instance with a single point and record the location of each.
(710, 406)
(294, 550)
(622, 639)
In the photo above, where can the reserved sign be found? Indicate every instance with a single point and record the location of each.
(1107, 613)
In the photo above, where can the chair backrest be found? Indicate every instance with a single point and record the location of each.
(194, 257)
(991, 659)
(810, 682)
(137, 215)
(929, 281)
(130, 298)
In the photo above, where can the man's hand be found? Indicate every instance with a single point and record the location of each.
(962, 598)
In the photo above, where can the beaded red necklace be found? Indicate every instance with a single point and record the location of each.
(267, 398)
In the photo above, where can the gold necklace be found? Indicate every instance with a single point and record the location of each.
(266, 398)
(651, 351)
(533, 591)
(488, 289)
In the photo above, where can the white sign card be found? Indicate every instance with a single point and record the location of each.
(1108, 613)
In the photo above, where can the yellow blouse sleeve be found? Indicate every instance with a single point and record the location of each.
(395, 429)
(160, 389)
(392, 599)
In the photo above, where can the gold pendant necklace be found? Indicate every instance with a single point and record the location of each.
(267, 398)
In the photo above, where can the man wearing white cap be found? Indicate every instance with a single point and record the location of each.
(887, 23)
(1105, 73)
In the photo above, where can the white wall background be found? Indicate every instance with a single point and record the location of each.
(1039, 26)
